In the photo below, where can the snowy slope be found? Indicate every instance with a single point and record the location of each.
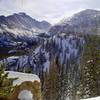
(95, 98)
(24, 22)
(85, 22)
(22, 77)
(25, 95)
(20, 28)
(66, 48)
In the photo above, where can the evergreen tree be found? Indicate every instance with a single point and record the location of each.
(6, 84)
(53, 78)
(90, 68)
(55, 82)
(63, 84)
(46, 87)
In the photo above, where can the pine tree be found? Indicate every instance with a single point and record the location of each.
(54, 76)
(63, 84)
(90, 68)
(46, 87)
(56, 82)
(3, 75)
(5, 83)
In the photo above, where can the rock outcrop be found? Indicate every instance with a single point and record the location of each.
(27, 87)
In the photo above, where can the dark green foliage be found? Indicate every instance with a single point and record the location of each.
(90, 67)
(2, 75)
(63, 84)
(6, 84)
(55, 82)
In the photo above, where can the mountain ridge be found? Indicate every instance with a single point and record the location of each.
(85, 22)
(23, 21)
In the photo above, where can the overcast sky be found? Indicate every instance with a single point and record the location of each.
(49, 10)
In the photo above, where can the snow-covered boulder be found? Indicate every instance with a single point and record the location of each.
(22, 77)
(28, 86)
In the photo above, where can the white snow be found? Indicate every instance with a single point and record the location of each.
(37, 49)
(22, 77)
(89, 61)
(12, 58)
(1, 31)
(94, 98)
(46, 66)
(25, 95)
(17, 31)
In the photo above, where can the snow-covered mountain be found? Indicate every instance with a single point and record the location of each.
(18, 31)
(21, 22)
(66, 48)
(20, 26)
(29, 52)
(86, 22)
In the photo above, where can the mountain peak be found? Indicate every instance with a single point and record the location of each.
(18, 14)
(88, 12)
(22, 13)
(23, 23)
(86, 22)
(91, 10)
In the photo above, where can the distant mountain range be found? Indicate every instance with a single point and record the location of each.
(20, 31)
(29, 45)
(22, 24)
(85, 22)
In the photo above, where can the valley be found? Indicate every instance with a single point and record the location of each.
(55, 53)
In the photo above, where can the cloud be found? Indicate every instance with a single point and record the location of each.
(50, 10)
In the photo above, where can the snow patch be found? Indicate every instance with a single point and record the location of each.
(22, 77)
(95, 98)
(46, 66)
(25, 95)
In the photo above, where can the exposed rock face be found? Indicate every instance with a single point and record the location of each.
(19, 30)
(24, 83)
(22, 22)
(33, 88)
(65, 47)
(26, 91)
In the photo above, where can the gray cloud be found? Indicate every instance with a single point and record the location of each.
(50, 10)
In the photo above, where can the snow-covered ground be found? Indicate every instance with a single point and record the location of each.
(95, 98)
(22, 77)
(25, 95)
